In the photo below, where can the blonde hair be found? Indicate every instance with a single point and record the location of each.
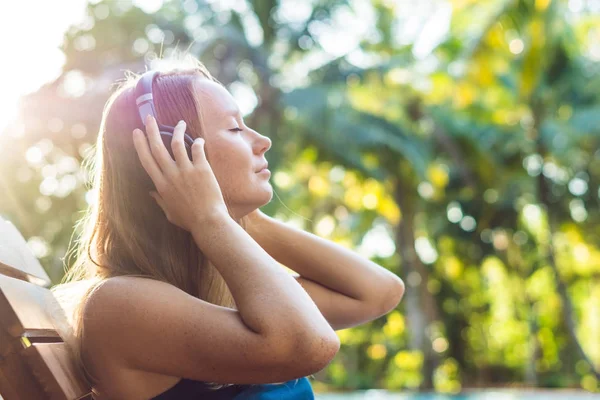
(124, 231)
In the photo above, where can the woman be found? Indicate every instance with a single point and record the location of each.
(182, 296)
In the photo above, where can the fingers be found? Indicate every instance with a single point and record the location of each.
(143, 150)
(177, 144)
(157, 147)
(198, 155)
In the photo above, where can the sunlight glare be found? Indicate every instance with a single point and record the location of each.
(36, 58)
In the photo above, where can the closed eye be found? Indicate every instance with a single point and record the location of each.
(236, 130)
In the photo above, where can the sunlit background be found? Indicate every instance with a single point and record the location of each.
(453, 142)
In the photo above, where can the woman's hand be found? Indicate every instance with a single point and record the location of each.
(188, 191)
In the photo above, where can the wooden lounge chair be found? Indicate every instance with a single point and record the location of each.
(35, 363)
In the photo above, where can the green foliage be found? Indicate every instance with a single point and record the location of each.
(486, 163)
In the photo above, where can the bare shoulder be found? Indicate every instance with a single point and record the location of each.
(118, 291)
(117, 300)
(108, 306)
(112, 306)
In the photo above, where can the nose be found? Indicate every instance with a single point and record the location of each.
(262, 143)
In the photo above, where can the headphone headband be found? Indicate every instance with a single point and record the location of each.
(143, 96)
(144, 101)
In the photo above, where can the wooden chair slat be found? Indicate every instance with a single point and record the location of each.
(52, 365)
(8, 344)
(16, 260)
(26, 309)
(17, 382)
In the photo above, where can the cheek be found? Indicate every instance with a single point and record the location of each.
(230, 169)
(230, 156)
(217, 157)
(226, 167)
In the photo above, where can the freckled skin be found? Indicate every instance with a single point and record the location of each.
(234, 155)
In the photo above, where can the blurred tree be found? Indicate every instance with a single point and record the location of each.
(465, 161)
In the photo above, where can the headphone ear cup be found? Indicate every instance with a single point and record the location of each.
(166, 138)
(187, 141)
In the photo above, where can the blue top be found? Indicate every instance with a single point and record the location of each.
(295, 389)
(187, 389)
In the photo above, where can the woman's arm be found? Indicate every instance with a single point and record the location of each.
(269, 301)
(347, 288)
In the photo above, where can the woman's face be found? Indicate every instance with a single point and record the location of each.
(235, 151)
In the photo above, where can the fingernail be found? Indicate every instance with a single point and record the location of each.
(182, 122)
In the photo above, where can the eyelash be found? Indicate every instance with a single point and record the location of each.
(236, 129)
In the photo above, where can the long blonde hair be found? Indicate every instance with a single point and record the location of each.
(124, 231)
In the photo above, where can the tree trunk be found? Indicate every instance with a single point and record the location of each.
(419, 304)
(531, 377)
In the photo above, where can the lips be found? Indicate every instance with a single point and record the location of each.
(264, 166)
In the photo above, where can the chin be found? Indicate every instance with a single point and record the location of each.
(253, 204)
(267, 199)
